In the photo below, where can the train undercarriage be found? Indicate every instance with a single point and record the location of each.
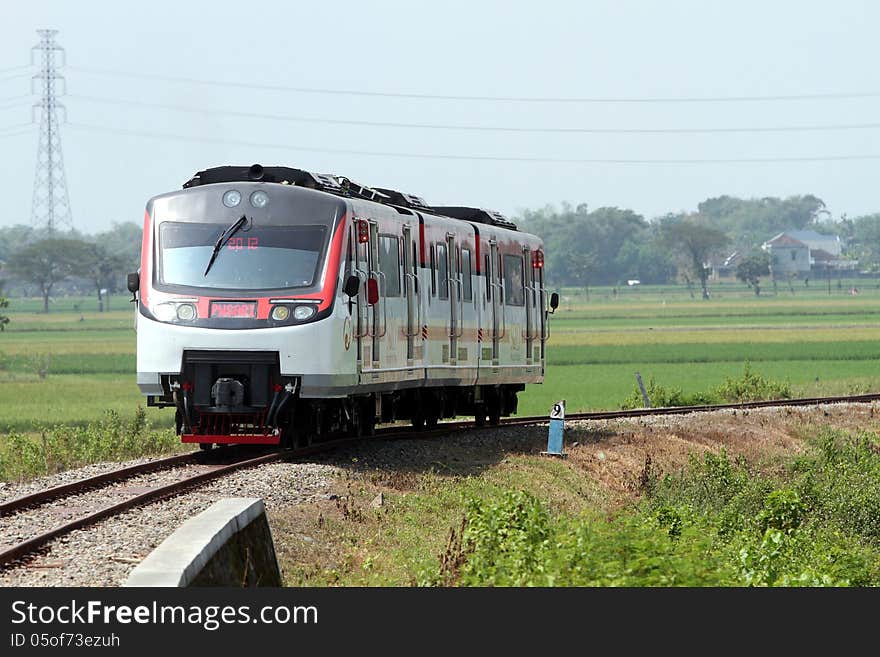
(233, 397)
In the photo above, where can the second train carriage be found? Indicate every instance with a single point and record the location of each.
(281, 306)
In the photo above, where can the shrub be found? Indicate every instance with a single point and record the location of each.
(783, 511)
(61, 447)
(662, 396)
(751, 386)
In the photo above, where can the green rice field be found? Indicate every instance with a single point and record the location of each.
(72, 365)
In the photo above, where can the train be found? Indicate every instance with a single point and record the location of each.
(278, 306)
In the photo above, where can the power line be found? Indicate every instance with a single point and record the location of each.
(490, 158)
(518, 99)
(20, 103)
(3, 135)
(26, 74)
(479, 128)
(14, 68)
(16, 126)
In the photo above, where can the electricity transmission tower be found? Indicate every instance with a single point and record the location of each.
(51, 206)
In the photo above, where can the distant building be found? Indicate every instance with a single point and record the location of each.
(801, 252)
(788, 255)
(727, 267)
(817, 241)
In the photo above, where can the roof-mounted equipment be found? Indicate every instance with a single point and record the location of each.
(258, 173)
(362, 191)
(476, 215)
(405, 200)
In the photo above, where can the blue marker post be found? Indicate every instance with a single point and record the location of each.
(554, 440)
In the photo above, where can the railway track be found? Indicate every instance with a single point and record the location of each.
(208, 466)
(205, 468)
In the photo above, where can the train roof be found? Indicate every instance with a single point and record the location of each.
(342, 186)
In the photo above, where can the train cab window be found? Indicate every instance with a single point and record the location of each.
(389, 264)
(442, 273)
(513, 280)
(467, 285)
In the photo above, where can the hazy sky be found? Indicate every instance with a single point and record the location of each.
(119, 150)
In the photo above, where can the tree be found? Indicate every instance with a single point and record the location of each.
(752, 268)
(47, 263)
(866, 241)
(123, 240)
(695, 241)
(4, 303)
(103, 269)
(753, 221)
(605, 246)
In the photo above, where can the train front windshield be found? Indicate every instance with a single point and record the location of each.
(253, 258)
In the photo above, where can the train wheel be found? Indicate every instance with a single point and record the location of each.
(206, 447)
(431, 408)
(480, 416)
(493, 408)
(367, 420)
(418, 420)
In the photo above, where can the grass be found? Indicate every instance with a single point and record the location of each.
(73, 364)
(76, 400)
(57, 447)
(398, 543)
(521, 520)
(819, 344)
(606, 386)
(67, 390)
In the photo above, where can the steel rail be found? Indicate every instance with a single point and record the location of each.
(34, 543)
(82, 485)
(399, 432)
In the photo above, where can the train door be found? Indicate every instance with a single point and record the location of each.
(378, 319)
(496, 310)
(453, 268)
(538, 272)
(530, 299)
(361, 267)
(411, 291)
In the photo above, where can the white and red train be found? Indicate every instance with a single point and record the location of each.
(278, 306)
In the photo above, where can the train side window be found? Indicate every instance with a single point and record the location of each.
(415, 266)
(389, 264)
(442, 273)
(488, 281)
(499, 276)
(433, 272)
(349, 256)
(513, 280)
(535, 280)
(467, 288)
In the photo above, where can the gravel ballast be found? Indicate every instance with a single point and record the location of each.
(104, 554)
(612, 451)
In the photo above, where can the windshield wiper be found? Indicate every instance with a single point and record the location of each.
(224, 237)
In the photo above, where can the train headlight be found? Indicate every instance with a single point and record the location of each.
(280, 313)
(165, 312)
(259, 199)
(302, 313)
(231, 198)
(186, 312)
